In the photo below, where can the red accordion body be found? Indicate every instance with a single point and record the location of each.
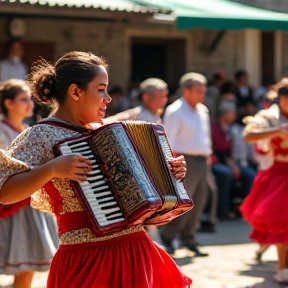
(131, 182)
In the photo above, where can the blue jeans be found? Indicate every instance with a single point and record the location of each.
(247, 176)
(224, 179)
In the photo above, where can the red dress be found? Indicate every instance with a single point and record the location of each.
(266, 207)
(125, 259)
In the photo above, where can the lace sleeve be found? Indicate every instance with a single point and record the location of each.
(264, 120)
(30, 149)
(10, 166)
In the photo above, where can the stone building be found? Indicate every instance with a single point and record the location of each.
(275, 5)
(138, 46)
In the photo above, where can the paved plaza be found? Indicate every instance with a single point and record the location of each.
(229, 265)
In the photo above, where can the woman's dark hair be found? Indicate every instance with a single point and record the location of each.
(228, 87)
(239, 74)
(283, 91)
(10, 89)
(50, 83)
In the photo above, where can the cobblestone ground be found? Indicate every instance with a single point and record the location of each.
(229, 265)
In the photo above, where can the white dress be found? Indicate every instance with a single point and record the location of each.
(28, 238)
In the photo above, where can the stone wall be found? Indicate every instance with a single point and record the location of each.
(113, 41)
(276, 5)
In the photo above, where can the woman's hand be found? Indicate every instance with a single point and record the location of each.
(73, 167)
(178, 167)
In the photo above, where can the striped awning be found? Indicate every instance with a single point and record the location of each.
(112, 5)
(219, 14)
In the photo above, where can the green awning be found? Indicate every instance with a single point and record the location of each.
(113, 5)
(220, 14)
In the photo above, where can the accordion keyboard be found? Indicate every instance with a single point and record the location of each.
(97, 193)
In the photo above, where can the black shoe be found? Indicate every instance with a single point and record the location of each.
(195, 249)
(258, 256)
(207, 227)
(168, 245)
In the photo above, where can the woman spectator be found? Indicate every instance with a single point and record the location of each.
(224, 167)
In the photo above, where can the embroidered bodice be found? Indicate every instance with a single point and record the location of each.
(33, 147)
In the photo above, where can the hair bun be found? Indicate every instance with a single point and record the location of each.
(43, 81)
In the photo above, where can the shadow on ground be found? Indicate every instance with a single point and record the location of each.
(264, 270)
(230, 232)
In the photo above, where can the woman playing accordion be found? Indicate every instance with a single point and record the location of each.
(126, 258)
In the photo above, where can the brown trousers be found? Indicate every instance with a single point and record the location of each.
(196, 186)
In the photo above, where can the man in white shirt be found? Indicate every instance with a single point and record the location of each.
(187, 125)
(154, 95)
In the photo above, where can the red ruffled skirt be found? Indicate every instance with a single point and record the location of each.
(266, 207)
(128, 261)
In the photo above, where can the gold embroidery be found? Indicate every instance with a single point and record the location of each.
(284, 144)
(70, 202)
(10, 166)
(281, 158)
(31, 148)
(86, 235)
(40, 200)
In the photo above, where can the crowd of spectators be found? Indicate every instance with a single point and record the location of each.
(233, 163)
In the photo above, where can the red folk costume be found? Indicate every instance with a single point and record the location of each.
(126, 259)
(265, 208)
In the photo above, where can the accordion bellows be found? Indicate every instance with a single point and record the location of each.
(131, 182)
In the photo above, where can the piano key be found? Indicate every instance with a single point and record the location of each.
(99, 207)
(95, 177)
(94, 172)
(98, 211)
(115, 215)
(81, 149)
(105, 199)
(78, 144)
(96, 184)
(107, 204)
(103, 194)
(65, 151)
(99, 191)
(104, 223)
(89, 157)
(84, 184)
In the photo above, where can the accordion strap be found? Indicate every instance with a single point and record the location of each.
(62, 124)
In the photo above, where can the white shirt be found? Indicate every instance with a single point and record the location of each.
(12, 69)
(146, 115)
(188, 129)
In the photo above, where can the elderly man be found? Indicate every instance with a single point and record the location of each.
(187, 125)
(154, 95)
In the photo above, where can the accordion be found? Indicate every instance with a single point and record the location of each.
(130, 182)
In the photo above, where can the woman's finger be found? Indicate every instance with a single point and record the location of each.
(179, 169)
(80, 158)
(80, 177)
(83, 165)
(82, 170)
(179, 176)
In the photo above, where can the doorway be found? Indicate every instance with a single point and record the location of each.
(159, 58)
(268, 57)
